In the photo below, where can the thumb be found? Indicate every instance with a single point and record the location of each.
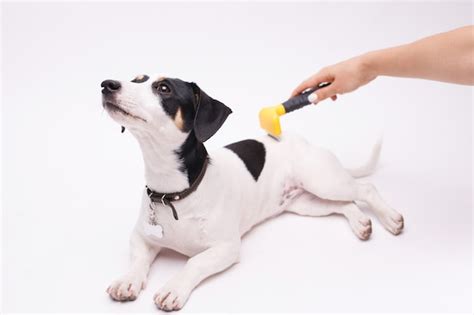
(322, 94)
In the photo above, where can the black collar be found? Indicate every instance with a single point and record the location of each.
(167, 198)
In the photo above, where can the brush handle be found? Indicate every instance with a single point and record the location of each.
(299, 101)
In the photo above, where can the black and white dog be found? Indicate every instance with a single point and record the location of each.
(200, 204)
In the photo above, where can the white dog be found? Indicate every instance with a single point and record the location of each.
(201, 204)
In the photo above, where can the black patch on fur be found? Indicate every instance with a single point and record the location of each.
(143, 78)
(193, 154)
(252, 153)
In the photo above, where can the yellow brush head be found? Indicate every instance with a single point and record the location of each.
(270, 119)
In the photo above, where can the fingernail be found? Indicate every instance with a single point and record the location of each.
(313, 98)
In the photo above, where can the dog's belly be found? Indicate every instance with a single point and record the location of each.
(271, 204)
(276, 187)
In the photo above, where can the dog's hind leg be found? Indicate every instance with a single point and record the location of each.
(321, 174)
(310, 205)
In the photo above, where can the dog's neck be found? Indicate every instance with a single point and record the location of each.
(171, 165)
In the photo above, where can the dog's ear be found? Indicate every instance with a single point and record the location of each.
(210, 114)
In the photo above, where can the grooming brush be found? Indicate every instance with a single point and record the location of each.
(270, 116)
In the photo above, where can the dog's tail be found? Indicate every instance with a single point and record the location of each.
(369, 167)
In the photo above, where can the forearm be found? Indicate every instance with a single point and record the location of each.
(445, 57)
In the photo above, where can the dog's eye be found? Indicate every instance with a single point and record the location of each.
(163, 88)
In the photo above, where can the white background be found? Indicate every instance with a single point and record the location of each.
(72, 182)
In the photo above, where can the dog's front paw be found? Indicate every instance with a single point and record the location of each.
(171, 297)
(127, 287)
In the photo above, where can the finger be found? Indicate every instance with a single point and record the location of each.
(322, 94)
(313, 81)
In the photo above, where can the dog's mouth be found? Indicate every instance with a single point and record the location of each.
(117, 109)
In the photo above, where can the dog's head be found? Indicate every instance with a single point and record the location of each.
(163, 106)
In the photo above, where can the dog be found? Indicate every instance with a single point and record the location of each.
(200, 204)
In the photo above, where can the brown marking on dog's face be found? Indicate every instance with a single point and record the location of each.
(178, 120)
(140, 78)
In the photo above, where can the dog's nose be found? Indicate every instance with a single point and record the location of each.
(110, 86)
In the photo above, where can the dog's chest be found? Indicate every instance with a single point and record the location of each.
(186, 235)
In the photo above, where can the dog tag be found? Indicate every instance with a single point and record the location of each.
(153, 230)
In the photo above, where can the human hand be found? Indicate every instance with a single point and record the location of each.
(345, 77)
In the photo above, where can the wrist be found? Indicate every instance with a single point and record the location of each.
(370, 64)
